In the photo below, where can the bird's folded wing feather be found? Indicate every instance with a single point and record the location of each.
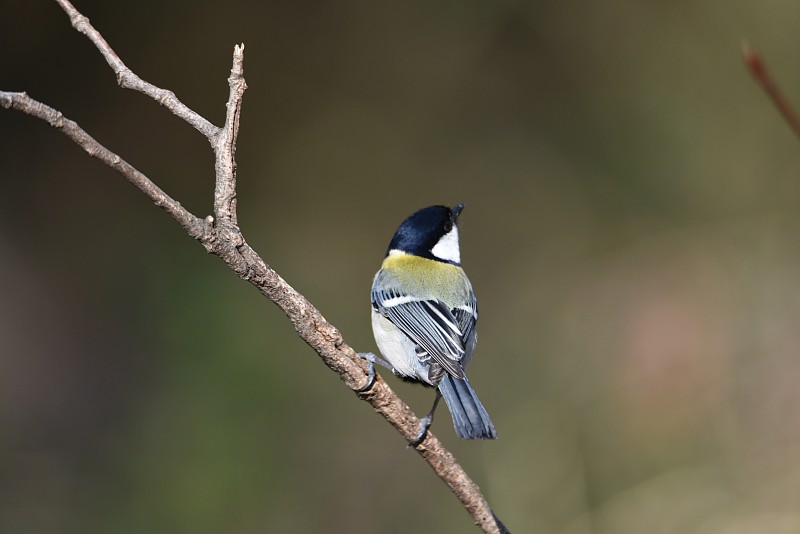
(466, 316)
(428, 323)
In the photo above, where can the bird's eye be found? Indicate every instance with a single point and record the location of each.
(448, 226)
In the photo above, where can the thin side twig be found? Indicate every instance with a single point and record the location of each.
(758, 68)
(223, 238)
(128, 80)
(225, 147)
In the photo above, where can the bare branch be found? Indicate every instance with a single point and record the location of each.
(223, 238)
(757, 67)
(323, 337)
(326, 340)
(225, 149)
(128, 80)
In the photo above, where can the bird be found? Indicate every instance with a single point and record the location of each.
(424, 313)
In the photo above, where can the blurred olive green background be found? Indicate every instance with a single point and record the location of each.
(631, 231)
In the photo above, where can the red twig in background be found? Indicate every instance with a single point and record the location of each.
(757, 67)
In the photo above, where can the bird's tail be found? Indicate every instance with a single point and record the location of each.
(469, 416)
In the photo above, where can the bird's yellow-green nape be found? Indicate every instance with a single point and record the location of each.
(425, 277)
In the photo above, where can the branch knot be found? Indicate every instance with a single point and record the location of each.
(79, 22)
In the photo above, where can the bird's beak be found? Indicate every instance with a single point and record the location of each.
(456, 211)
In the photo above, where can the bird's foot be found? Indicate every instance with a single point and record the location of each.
(424, 425)
(371, 358)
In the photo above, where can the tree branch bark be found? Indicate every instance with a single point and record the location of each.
(221, 236)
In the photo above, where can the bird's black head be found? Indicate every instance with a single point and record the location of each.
(431, 233)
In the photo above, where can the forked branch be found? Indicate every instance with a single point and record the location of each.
(221, 236)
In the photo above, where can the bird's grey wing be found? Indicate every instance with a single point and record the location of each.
(428, 323)
(466, 317)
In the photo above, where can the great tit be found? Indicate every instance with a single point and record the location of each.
(424, 313)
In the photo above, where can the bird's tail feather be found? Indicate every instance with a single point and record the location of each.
(469, 416)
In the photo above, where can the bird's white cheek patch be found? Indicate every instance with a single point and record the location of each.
(447, 247)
